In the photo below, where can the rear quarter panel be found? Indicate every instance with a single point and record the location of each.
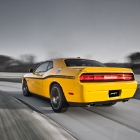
(65, 78)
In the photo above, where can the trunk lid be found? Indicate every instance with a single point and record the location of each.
(102, 69)
(106, 70)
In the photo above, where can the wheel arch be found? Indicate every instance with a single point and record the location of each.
(52, 83)
(55, 82)
(23, 79)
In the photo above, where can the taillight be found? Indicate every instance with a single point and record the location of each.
(106, 77)
(86, 78)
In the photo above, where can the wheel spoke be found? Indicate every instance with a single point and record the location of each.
(25, 89)
(55, 98)
(58, 101)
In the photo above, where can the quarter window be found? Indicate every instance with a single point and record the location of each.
(42, 67)
(50, 66)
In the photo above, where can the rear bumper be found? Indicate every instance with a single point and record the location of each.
(103, 95)
(99, 92)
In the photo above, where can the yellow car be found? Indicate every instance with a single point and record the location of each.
(79, 82)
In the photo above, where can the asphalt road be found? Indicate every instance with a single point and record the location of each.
(120, 122)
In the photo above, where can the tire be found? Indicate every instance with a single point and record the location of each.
(57, 98)
(109, 104)
(25, 89)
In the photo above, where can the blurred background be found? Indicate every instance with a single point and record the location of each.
(32, 31)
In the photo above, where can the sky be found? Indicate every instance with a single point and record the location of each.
(104, 30)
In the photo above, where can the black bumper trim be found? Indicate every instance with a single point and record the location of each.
(76, 104)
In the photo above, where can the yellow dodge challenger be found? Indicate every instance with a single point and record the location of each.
(79, 82)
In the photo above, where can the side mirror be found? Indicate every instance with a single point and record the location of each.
(31, 70)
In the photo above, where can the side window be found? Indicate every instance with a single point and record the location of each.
(42, 67)
(50, 66)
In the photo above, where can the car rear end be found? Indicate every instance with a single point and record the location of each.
(100, 85)
(96, 83)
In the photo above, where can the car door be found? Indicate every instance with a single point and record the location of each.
(46, 81)
(37, 83)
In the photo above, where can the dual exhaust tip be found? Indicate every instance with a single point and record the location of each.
(95, 104)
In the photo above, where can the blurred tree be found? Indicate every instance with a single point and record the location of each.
(28, 58)
(7, 61)
(134, 58)
(4, 59)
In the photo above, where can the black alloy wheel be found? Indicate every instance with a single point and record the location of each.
(25, 89)
(57, 98)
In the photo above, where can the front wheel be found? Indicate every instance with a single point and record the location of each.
(25, 89)
(57, 98)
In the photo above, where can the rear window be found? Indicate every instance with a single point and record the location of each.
(82, 62)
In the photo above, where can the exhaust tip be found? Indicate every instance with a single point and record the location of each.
(91, 105)
(125, 100)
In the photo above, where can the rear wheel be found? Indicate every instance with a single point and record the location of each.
(58, 101)
(25, 89)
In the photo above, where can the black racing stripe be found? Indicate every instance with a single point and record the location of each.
(61, 76)
(54, 76)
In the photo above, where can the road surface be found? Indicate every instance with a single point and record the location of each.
(120, 122)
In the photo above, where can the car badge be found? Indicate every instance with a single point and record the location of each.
(58, 70)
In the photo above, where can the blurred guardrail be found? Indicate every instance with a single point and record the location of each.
(11, 75)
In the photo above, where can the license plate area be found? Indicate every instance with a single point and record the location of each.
(114, 93)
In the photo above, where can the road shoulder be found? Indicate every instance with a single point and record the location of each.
(19, 122)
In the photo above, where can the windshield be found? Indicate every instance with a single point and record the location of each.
(82, 62)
